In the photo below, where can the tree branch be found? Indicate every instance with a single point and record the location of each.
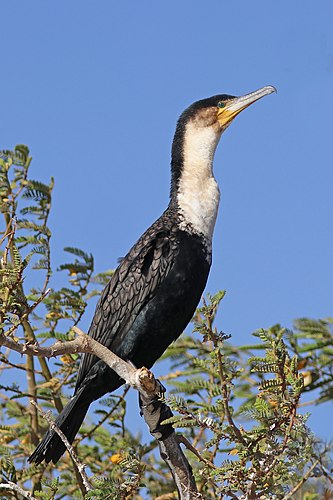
(70, 449)
(14, 487)
(153, 409)
(155, 412)
(302, 481)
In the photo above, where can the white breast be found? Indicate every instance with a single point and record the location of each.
(198, 193)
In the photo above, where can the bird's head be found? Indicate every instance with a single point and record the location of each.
(200, 126)
(219, 111)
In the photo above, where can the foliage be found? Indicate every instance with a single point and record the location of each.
(240, 411)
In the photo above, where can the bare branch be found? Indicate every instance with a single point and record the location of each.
(302, 481)
(14, 487)
(141, 379)
(179, 467)
(189, 446)
(153, 409)
(70, 449)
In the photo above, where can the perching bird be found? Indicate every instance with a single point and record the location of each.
(154, 292)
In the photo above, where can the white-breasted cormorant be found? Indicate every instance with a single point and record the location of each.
(154, 292)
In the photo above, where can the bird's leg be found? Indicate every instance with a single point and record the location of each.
(152, 408)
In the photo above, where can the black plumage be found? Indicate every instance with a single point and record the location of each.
(155, 289)
(153, 294)
(155, 280)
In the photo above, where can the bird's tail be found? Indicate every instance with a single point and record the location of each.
(69, 421)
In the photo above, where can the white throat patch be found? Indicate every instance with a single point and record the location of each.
(198, 193)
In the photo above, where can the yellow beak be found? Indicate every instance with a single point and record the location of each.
(234, 106)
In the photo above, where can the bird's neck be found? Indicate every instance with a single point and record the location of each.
(194, 189)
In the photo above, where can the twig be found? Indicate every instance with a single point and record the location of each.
(70, 449)
(25, 315)
(224, 384)
(21, 393)
(225, 399)
(302, 481)
(231, 495)
(180, 468)
(15, 487)
(5, 363)
(287, 436)
(24, 321)
(185, 441)
(166, 496)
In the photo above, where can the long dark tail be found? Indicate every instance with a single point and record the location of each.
(69, 421)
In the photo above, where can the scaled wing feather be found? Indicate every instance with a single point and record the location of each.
(131, 287)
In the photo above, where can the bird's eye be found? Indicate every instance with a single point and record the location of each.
(221, 104)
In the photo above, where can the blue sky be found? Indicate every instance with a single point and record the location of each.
(95, 89)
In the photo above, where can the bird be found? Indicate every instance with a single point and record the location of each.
(154, 292)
